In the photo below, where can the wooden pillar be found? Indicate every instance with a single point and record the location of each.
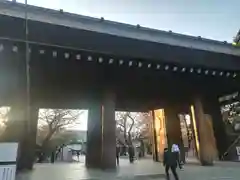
(27, 146)
(212, 139)
(218, 126)
(101, 134)
(206, 151)
(108, 132)
(159, 134)
(94, 136)
(32, 136)
(173, 128)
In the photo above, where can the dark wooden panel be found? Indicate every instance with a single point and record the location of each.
(65, 36)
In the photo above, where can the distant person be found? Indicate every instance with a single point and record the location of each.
(53, 157)
(175, 148)
(117, 154)
(78, 155)
(41, 157)
(139, 153)
(171, 161)
(131, 153)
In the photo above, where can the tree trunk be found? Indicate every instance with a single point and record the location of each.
(44, 148)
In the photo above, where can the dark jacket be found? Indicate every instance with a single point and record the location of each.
(117, 151)
(171, 158)
(131, 151)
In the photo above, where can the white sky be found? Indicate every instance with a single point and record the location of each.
(83, 119)
(213, 19)
(81, 122)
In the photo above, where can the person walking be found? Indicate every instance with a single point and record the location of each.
(175, 148)
(53, 157)
(117, 154)
(78, 156)
(171, 161)
(131, 153)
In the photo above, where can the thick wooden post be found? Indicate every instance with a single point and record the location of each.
(94, 136)
(101, 135)
(27, 146)
(218, 126)
(173, 125)
(159, 136)
(108, 132)
(206, 150)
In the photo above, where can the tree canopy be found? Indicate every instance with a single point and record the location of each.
(132, 126)
(236, 39)
(53, 121)
(52, 126)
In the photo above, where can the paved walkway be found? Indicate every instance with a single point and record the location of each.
(77, 171)
(220, 171)
(144, 169)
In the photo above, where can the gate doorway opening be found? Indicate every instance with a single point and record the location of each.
(174, 128)
(61, 135)
(133, 136)
(188, 138)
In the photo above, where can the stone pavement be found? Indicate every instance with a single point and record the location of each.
(220, 171)
(77, 171)
(144, 169)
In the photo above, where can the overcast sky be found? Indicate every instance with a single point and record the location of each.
(81, 123)
(214, 19)
(83, 119)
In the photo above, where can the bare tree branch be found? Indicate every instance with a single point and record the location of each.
(52, 121)
(132, 125)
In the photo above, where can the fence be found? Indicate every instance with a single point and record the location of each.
(7, 172)
(8, 157)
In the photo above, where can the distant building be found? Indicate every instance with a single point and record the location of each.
(77, 135)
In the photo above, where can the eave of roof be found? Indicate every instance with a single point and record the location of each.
(118, 29)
